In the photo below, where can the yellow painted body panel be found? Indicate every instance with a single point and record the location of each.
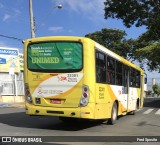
(101, 96)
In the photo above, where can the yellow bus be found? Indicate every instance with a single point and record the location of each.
(75, 77)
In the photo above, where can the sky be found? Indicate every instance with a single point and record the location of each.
(76, 18)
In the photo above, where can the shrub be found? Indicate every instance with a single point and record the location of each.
(156, 89)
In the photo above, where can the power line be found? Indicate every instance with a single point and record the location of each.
(11, 37)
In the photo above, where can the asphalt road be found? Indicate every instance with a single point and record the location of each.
(14, 122)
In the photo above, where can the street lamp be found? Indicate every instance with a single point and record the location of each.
(59, 6)
(33, 30)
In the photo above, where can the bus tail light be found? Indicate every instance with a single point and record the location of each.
(85, 96)
(27, 94)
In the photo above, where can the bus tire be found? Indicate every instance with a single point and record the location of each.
(114, 114)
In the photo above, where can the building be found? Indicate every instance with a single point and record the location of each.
(11, 75)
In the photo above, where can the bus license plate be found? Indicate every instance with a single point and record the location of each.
(55, 101)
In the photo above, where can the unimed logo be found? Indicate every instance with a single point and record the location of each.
(6, 139)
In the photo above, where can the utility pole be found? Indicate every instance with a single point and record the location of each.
(31, 19)
(33, 29)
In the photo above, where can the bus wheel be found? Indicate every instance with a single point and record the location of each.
(113, 114)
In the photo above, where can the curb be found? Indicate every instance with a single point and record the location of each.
(18, 105)
(4, 105)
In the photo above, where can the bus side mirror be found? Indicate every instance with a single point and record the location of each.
(145, 80)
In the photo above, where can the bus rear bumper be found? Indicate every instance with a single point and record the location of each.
(78, 112)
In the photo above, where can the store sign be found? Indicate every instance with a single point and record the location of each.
(9, 60)
(2, 61)
(8, 52)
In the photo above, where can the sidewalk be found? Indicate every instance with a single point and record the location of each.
(12, 105)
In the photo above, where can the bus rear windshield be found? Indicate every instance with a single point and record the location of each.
(55, 56)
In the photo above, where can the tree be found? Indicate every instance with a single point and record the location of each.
(114, 40)
(156, 89)
(149, 49)
(138, 13)
(151, 54)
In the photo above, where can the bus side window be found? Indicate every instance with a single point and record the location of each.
(100, 67)
(132, 77)
(108, 77)
(97, 68)
(137, 79)
(98, 74)
(125, 78)
(111, 70)
(118, 73)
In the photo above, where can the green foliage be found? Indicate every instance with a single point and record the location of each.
(140, 13)
(114, 40)
(156, 89)
(149, 50)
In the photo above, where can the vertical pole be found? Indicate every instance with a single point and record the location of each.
(153, 83)
(31, 19)
(15, 82)
(1, 101)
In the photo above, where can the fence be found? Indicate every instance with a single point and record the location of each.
(11, 84)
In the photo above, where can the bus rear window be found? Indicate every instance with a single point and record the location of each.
(55, 56)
